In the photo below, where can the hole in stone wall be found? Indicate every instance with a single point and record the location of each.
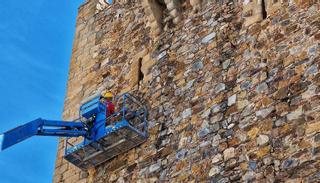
(161, 5)
(157, 5)
(137, 73)
(161, 2)
(264, 11)
(157, 8)
(140, 73)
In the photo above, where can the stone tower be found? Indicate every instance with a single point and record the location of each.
(232, 88)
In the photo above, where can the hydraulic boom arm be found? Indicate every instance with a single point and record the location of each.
(41, 127)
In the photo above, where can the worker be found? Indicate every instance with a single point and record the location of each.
(109, 105)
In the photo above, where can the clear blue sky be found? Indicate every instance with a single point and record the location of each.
(35, 48)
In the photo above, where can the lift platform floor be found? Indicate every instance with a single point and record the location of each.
(119, 138)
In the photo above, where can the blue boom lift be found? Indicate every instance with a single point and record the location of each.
(102, 138)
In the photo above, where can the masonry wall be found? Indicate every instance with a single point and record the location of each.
(231, 97)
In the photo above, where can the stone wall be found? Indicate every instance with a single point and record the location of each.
(229, 101)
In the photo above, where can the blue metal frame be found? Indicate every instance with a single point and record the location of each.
(76, 153)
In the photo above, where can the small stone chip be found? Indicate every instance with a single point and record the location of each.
(262, 140)
(186, 113)
(232, 100)
(181, 154)
(217, 158)
(203, 132)
(154, 167)
(262, 88)
(214, 171)
(220, 87)
(229, 153)
(208, 38)
(265, 112)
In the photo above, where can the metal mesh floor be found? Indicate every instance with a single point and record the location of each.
(114, 143)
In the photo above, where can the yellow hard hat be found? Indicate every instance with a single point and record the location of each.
(108, 95)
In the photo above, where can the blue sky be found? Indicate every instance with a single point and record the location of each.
(35, 48)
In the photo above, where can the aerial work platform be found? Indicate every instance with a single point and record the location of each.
(94, 139)
(125, 130)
